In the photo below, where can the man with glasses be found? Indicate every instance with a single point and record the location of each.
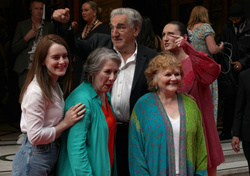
(236, 32)
(131, 83)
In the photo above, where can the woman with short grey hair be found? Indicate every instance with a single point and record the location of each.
(96, 61)
(88, 148)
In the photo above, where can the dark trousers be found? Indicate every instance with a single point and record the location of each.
(228, 105)
(246, 149)
(122, 149)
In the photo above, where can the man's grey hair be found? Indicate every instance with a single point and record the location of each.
(134, 17)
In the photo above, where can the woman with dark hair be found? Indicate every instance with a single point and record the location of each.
(147, 37)
(42, 105)
(88, 148)
(199, 72)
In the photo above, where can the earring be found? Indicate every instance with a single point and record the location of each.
(156, 87)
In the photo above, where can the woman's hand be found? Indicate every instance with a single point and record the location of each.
(73, 115)
(74, 26)
(178, 39)
(188, 95)
(221, 46)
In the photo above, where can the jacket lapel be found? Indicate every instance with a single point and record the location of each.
(139, 64)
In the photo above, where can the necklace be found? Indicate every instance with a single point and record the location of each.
(89, 28)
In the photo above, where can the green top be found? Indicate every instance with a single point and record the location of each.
(84, 147)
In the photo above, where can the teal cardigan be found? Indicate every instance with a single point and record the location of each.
(84, 147)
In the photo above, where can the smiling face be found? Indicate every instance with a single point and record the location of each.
(169, 80)
(168, 40)
(56, 61)
(105, 78)
(88, 14)
(122, 34)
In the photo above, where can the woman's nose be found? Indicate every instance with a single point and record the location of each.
(112, 77)
(173, 77)
(61, 60)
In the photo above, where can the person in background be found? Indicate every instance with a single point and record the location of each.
(90, 14)
(165, 131)
(131, 83)
(241, 120)
(42, 105)
(237, 33)
(27, 35)
(88, 147)
(199, 72)
(147, 36)
(203, 40)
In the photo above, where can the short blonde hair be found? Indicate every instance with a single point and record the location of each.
(165, 60)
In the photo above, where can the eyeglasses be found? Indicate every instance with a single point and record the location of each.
(235, 19)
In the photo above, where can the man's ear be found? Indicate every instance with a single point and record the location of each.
(137, 30)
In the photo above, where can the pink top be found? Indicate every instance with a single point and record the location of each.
(40, 116)
(199, 72)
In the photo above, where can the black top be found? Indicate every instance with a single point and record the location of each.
(101, 28)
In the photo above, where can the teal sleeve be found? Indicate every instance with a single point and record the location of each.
(137, 161)
(76, 143)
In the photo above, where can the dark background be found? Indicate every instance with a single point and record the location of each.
(160, 11)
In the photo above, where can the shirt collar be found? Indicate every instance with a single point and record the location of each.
(132, 56)
(135, 53)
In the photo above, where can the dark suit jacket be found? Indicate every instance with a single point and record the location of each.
(21, 48)
(144, 54)
(241, 124)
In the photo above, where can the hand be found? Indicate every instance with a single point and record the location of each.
(237, 66)
(74, 114)
(185, 93)
(74, 26)
(31, 34)
(61, 15)
(178, 39)
(221, 46)
(235, 144)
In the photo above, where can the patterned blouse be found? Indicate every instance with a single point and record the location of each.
(199, 37)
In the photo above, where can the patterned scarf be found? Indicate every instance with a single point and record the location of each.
(36, 40)
(170, 139)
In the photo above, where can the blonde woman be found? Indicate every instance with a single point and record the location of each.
(203, 40)
(165, 131)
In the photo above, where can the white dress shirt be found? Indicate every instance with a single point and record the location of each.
(40, 116)
(121, 90)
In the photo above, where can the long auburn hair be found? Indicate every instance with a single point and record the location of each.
(40, 71)
(199, 14)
